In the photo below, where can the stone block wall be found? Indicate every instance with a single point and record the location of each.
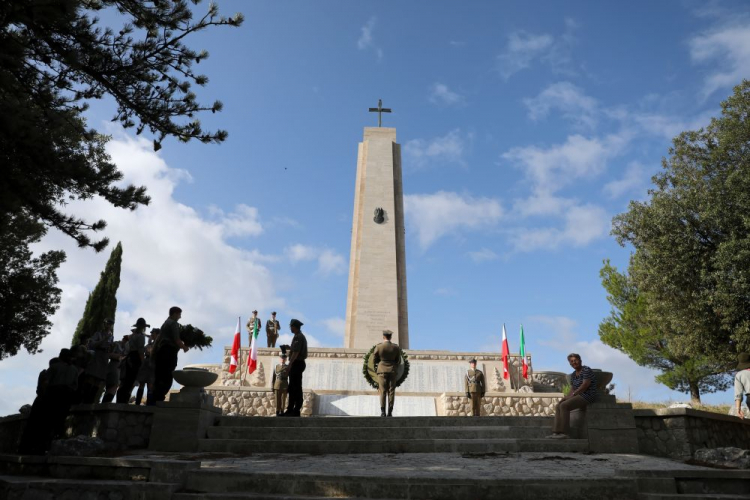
(11, 430)
(501, 404)
(253, 403)
(679, 432)
(121, 427)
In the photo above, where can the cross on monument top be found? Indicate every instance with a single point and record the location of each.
(380, 110)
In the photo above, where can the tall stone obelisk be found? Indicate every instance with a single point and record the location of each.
(376, 299)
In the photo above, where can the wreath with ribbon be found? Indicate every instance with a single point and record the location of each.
(369, 370)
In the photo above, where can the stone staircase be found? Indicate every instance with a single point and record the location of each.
(353, 435)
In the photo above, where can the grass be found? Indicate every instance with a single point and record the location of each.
(645, 405)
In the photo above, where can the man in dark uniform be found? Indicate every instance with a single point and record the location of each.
(272, 330)
(280, 383)
(387, 357)
(166, 348)
(296, 368)
(474, 384)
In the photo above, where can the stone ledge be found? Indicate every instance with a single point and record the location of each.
(540, 395)
(120, 407)
(688, 412)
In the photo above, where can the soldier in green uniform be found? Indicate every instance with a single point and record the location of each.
(280, 384)
(387, 357)
(474, 384)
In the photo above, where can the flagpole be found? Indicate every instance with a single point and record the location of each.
(239, 353)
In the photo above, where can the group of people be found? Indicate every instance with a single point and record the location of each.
(103, 370)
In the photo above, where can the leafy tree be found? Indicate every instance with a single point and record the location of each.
(28, 295)
(692, 239)
(55, 58)
(631, 329)
(102, 302)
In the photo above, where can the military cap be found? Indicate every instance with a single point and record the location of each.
(273, 313)
(282, 354)
(255, 311)
(472, 361)
(387, 334)
(295, 322)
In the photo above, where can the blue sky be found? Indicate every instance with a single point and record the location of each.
(523, 131)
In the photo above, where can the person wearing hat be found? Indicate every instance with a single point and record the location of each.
(474, 386)
(280, 383)
(387, 357)
(134, 356)
(91, 381)
(742, 383)
(272, 330)
(252, 323)
(295, 369)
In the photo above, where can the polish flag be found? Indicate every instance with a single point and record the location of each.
(252, 358)
(235, 349)
(505, 355)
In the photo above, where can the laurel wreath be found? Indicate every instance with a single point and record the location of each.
(374, 383)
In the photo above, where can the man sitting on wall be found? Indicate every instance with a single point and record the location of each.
(582, 392)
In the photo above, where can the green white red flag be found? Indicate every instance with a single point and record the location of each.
(505, 355)
(252, 358)
(522, 352)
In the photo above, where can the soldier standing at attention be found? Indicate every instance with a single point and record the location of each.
(272, 330)
(296, 368)
(280, 384)
(253, 322)
(474, 384)
(387, 358)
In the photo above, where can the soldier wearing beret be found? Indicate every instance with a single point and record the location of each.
(387, 357)
(474, 384)
(272, 330)
(295, 369)
(280, 383)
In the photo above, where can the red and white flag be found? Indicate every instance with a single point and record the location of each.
(252, 358)
(505, 355)
(235, 349)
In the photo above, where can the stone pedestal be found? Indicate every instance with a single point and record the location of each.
(610, 428)
(183, 420)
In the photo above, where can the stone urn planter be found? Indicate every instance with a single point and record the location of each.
(193, 380)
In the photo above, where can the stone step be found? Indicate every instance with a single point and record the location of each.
(369, 422)
(363, 433)
(330, 446)
(683, 496)
(35, 487)
(250, 496)
(227, 485)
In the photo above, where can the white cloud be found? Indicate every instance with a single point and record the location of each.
(550, 169)
(569, 99)
(441, 94)
(446, 149)
(522, 48)
(483, 255)
(582, 225)
(366, 40)
(433, 216)
(727, 46)
(171, 256)
(336, 326)
(329, 262)
(635, 179)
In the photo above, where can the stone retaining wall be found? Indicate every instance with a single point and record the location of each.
(679, 432)
(121, 427)
(243, 401)
(500, 404)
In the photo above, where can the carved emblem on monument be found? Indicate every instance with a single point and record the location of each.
(379, 215)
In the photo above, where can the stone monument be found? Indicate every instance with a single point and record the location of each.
(376, 299)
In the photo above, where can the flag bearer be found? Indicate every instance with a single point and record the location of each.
(387, 357)
(280, 383)
(474, 384)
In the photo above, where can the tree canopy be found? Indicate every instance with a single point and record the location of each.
(56, 56)
(691, 263)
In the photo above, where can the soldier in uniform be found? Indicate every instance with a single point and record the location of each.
(280, 383)
(272, 330)
(387, 357)
(474, 385)
(254, 321)
(295, 369)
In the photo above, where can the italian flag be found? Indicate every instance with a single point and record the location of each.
(505, 355)
(522, 352)
(252, 358)
(235, 349)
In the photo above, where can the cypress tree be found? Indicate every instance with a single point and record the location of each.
(102, 302)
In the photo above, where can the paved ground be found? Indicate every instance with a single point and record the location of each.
(443, 465)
